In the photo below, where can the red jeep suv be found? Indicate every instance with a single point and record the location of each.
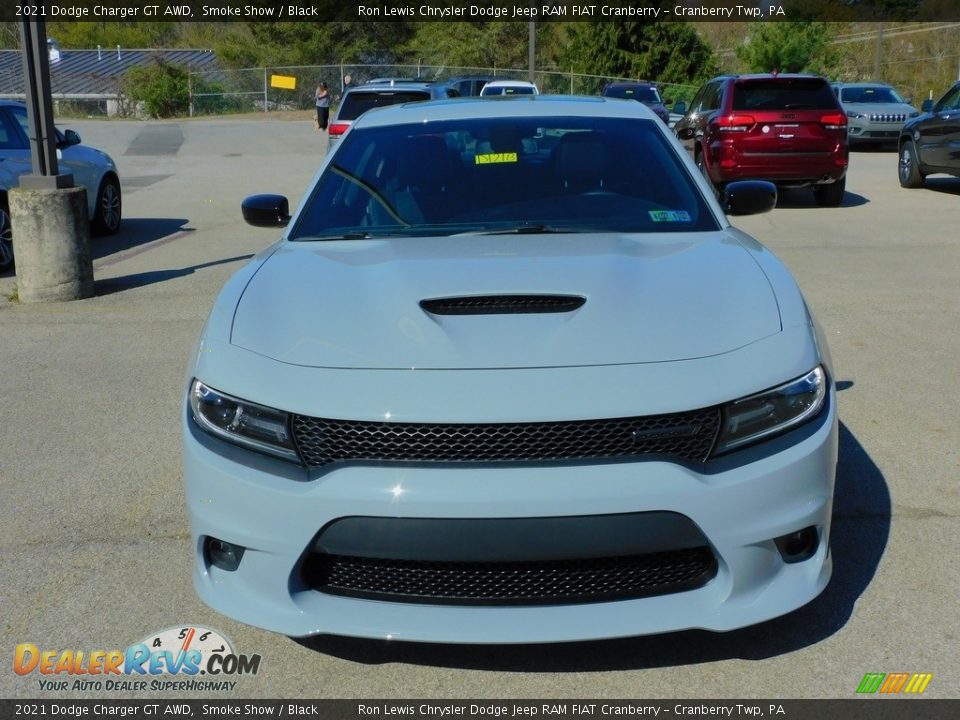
(788, 129)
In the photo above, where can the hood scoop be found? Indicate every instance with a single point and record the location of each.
(502, 304)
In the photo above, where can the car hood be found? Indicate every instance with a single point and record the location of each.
(647, 298)
(880, 108)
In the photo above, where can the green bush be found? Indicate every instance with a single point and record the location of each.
(160, 87)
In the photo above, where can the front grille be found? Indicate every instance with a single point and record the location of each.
(547, 582)
(888, 117)
(502, 304)
(685, 436)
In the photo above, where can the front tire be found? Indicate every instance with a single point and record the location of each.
(107, 214)
(6, 241)
(908, 166)
(830, 195)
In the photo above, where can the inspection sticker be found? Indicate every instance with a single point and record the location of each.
(669, 215)
(492, 158)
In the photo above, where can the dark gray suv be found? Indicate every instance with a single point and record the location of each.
(931, 143)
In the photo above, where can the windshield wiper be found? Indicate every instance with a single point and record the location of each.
(528, 229)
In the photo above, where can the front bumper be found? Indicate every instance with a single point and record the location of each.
(740, 504)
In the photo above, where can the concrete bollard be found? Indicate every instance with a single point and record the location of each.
(51, 242)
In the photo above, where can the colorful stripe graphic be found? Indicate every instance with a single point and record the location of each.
(894, 683)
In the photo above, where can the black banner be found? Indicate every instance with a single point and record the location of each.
(480, 10)
(864, 708)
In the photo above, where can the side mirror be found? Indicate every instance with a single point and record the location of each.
(686, 133)
(70, 137)
(266, 210)
(927, 105)
(680, 108)
(749, 197)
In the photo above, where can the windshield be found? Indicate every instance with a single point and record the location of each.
(639, 93)
(356, 103)
(504, 175)
(783, 94)
(870, 95)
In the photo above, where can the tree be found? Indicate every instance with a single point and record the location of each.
(670, 52)
(786, 46)
(162, 88)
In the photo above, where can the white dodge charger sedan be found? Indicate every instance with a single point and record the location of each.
(509, 375)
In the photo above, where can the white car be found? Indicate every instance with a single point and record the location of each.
(92, 168)
(510, 375)
(500, 88)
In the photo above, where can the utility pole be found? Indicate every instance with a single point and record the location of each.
(531, 48)
(877, 54)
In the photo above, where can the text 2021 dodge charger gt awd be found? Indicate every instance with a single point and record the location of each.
(510, 375)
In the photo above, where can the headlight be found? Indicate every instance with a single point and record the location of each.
(771, 412)
(856, 115)
(241, 422)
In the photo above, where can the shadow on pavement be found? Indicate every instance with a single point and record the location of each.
(128, 282)
(803, 198)
(947, 185)
(135, 232)
(861, 526)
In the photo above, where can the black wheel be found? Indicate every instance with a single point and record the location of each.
(908, 168)
(830, 195)
(6, 241)
(106, 216)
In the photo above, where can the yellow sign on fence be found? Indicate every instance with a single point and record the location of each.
(287, 82)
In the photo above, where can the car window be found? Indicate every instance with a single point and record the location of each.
(711, 98)
(783, 94)
(356, 103)
(950, 101)
(870, 95)
(471, 175)
(10, 138)
(639, 93)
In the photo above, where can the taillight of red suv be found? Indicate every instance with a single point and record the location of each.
(337, 129)
(735, 122)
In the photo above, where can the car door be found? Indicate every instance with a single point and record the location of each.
(691, 127)
(14, 149)
(77, 160)
(938, 137)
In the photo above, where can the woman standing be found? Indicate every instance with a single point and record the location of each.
(323, 106)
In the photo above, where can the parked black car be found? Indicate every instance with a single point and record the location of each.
(641, 92)
(471, 85)
(931, 143)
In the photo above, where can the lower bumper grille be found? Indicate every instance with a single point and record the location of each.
(548, 582)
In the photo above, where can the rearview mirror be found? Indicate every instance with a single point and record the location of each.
(680, 108)
(266, 210)
(927, 105)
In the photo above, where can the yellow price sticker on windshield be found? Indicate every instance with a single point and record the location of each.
(493, 158)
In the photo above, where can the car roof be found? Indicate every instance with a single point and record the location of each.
(865, 83)
(510, 83)
(630, 83)
(380, 86)
(751, 77)
(519, 106)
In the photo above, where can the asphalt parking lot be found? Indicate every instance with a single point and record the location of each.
(95, 540)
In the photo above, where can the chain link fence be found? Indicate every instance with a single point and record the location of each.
(248, 90)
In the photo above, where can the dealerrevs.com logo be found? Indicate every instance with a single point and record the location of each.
(170, 660)
(894, 683)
